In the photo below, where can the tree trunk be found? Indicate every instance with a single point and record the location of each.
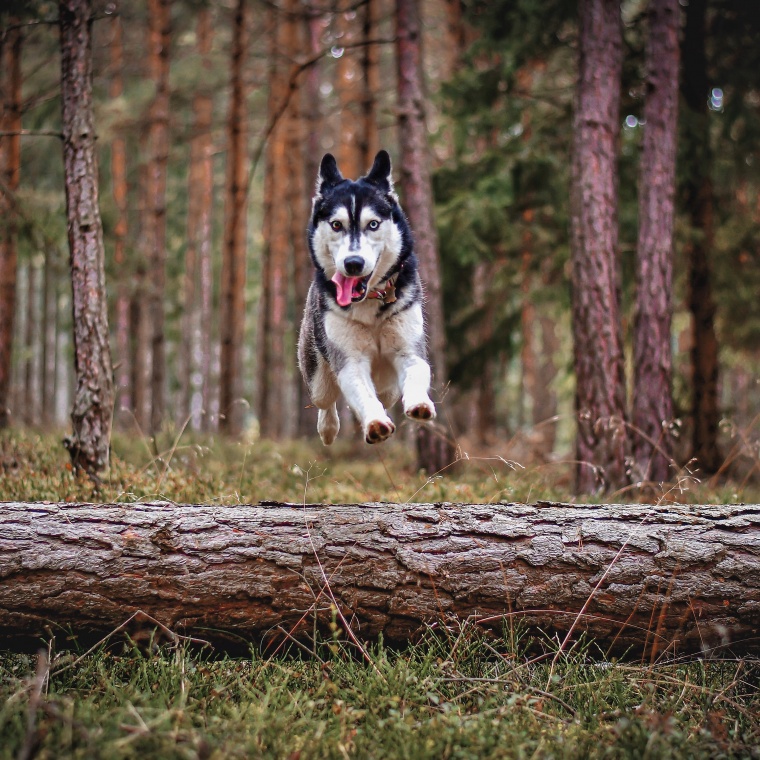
(434, 449)
(636, 578)
(312, 124)
(50, 333)
(349, 86)
(10, 169)
(232, 314)
(30, 345)
(195, 349)
(652, 411)
(599, 370)
(119, 188)
(698, 199)
(93, 401)
(273, 320)
(369, 139)
(154, 232)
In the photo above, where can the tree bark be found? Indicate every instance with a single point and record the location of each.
(697, 191)
(652, 412)
(154, 233)
(121, 228)
(349, 87)
(232, 313)
(634, 577)
(435, 451)
(276, 255)
(31, 388)
(10, 170)
(93, 401)
(195, 352)
(597, 336)
(369, 138)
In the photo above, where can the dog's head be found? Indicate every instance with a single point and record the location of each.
(353, 235)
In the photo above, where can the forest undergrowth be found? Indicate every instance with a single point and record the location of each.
(184, 468)
(457, 692)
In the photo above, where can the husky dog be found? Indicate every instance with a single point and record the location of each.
(362, 332)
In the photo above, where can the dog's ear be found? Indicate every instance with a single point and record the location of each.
(329, 174)
(380, 173)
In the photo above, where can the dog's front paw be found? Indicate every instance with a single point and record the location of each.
(378, 430)
(423, 412)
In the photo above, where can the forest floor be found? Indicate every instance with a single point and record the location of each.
(455, 693)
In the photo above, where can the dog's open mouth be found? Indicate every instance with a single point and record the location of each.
(349, 289)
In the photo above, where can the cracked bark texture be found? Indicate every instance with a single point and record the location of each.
(93, 399)
(652, 411)
(597, 336)
(661, 579)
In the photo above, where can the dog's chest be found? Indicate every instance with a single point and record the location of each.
(368, 333)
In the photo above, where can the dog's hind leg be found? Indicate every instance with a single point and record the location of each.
(328, 424)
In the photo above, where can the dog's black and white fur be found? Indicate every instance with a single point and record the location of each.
(362, 333)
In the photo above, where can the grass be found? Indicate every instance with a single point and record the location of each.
(456, 693)
(35, 467)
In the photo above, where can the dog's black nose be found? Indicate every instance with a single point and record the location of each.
(353, 265)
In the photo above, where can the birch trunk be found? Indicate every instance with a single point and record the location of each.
(637, 578)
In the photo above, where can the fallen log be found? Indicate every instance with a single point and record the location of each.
(636, 578)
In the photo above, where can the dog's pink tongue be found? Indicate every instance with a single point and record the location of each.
(344, 287)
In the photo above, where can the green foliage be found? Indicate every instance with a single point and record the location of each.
(457, 693)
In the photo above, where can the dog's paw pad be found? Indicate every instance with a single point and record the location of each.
(422, 412)
(379, 430)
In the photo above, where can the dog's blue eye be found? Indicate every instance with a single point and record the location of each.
(373, 225)
(336, 225)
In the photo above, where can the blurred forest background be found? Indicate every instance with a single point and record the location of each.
(211, 119)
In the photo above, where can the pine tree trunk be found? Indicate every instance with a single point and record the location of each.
(119, 189)
(299, 202)
(652, 411)
(50, 334)
(10, 172)
(698, 198)
(195, 349)
(273, 323)
(348, 87)
(31, 342)
(635, 578)
(232, 312)
(599, 371)
(545, 400)
(312, 121)
(369, 139)
(93, 401)
(154, 232)
(434, 449)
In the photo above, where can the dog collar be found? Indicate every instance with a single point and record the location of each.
(387, 294)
